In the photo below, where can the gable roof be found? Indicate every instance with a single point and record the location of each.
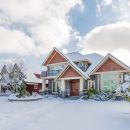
(112, 58)
(70, 62)
(95, 59)
(78, 70)
(33, 77)
(92, 58)
(54, 49)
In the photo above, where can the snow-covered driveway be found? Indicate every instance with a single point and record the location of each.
(59, 114)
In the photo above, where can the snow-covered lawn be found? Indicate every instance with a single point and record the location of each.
(60, 114)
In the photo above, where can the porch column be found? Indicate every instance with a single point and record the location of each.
(0, 88)
(43, 84)
(81, 87)
(62, 88)
(98, 83)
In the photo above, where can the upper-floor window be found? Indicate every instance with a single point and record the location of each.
(83, 65)
(58, 67)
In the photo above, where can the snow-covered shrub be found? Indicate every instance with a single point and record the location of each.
(21, 90)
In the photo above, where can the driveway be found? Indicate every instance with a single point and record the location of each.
(60, 114)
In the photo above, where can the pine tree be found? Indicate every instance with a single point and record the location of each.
(21, 89)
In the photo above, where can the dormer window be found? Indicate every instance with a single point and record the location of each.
(80, 64)
(83, 65)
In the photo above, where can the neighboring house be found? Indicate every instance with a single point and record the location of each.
(72, 74)
(34, 85)
(10, 76)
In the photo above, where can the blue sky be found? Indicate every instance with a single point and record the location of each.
(29, 29)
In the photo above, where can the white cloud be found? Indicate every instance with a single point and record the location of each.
(65, 51)
(46, 20)
(107, 2)
(114, 9)
(129, 3)
(99, 10)
(123, 55)
(108, 38)
(14, 41)
(112, 38)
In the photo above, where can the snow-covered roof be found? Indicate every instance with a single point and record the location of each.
(75, 56)
(93, 58)
(32, 78)
(112, 58)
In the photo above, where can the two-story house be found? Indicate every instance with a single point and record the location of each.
(73, 73)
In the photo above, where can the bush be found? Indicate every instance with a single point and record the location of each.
(91, 92)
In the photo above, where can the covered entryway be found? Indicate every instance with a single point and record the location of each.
(72, 82)
(74, 87)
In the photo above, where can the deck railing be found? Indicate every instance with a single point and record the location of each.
(53, 72)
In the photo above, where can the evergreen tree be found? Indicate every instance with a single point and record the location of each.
(21, 89)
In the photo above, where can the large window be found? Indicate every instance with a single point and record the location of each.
(54, 70)
(110, 82)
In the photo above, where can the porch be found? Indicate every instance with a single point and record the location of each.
(64, 87)
(71, 88)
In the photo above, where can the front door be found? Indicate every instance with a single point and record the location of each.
(74, 87)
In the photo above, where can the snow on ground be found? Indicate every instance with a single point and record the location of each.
(60, 114)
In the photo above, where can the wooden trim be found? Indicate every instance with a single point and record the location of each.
(61, 72)
(112, 58)
(52, 57)
(110, 72)
(64, 70)
(54, 49)
(54, 64)
(69, 78)
(49, 77)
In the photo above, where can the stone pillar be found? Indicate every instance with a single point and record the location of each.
(81, 87)
(98, 83)
(63, 88)
(43, 84)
